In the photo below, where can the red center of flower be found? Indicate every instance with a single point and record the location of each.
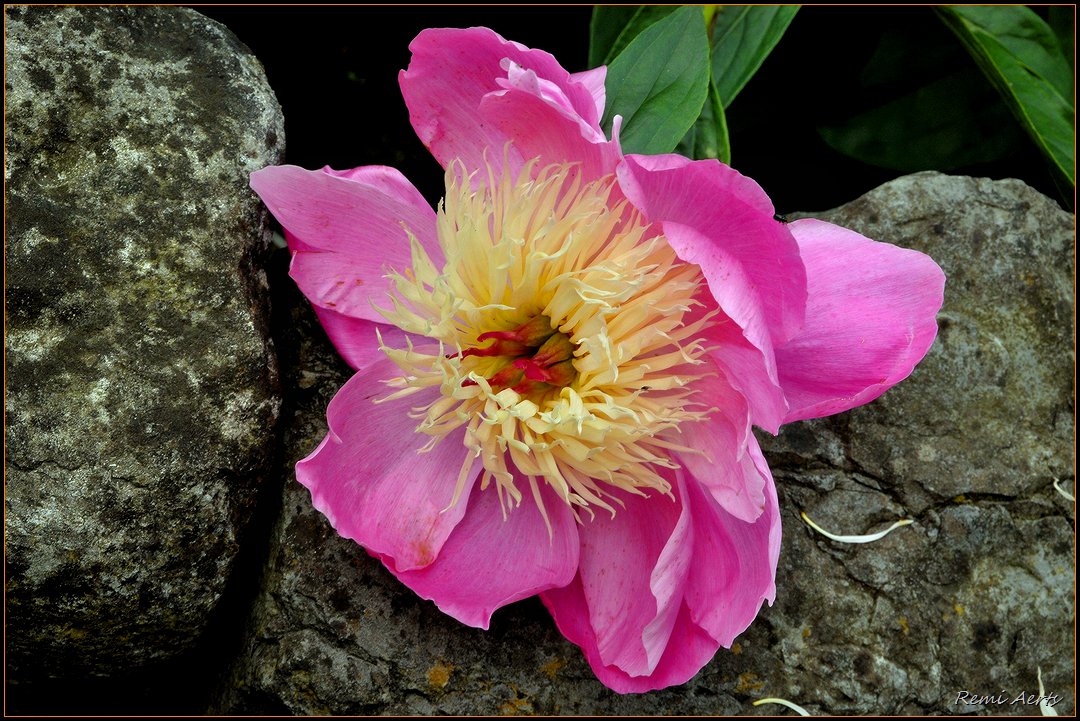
(540, 357)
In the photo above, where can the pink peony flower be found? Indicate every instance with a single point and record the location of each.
(558, 371)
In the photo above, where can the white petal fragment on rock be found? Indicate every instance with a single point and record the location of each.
(1062, 491)
(855, 539)
(1044, 705)
(783, 702)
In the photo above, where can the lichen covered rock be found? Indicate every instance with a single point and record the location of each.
(973, 597)
(142, 389)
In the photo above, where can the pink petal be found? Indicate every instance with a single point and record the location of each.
(525, 81)
(295, 243)
(451, 72)
(540, 132)
(340, 282)
(354, 337)
(727, 468)
(688, 649)
(731, 572)
(870, 319)
(489, 562)
(368, 478)
(632, 571)
(593, 80)
(747, 367)
(347, 228)
(723, 222)
(734, 567)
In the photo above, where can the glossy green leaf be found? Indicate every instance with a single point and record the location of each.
(641, 17)
(1021, 56)
(708, 138)
(742, 37)
(659, 82)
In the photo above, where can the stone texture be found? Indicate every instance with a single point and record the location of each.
(973, 597)
(142, 389)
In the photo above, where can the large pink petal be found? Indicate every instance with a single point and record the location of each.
(723, 222)
(734, 567)
(489, 562)
(725, 465)
(870, 319)
(633, 568)
(451, 71)
(347, 228)
(688, 649)
(372, 483)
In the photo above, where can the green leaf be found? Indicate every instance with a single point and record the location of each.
(742, 37)
(708, 138)
(1021, 56)
(659, 83)
(1024, 35)
(607, 22)
(642, 17)
(947, 123)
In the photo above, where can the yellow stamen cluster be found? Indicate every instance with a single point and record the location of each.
(544, 245)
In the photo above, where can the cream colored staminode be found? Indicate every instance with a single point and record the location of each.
(560, 336)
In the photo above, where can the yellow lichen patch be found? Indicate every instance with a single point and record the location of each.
(806, 632)
(736, 648)
(904, 628)
(439, 674)
(748, 682)
(73, 633)
(960, 610)
(551, 668)
(517, 706)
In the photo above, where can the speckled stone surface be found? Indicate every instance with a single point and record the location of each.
(142, 384)
(973, 597)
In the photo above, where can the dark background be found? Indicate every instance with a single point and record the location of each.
(335, 73)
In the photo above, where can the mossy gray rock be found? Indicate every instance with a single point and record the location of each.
(142, 388)
(974, 597)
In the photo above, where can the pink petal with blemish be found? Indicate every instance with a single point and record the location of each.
(347, 228)
(372, 483)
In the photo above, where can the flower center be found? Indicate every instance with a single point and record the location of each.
(537, 357)
(562, 336)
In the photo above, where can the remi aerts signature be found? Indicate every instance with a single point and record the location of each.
(1005, 698)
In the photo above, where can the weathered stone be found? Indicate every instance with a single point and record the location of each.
(973, 597)
(142, 389)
